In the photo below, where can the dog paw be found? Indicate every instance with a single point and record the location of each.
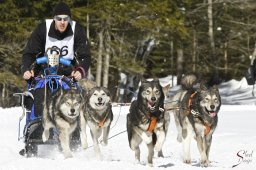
(104, 143)
(150, 164)
(84, 145)
(99, 157)
(187, 161)
(146, 138)
(179, 138)
(45, 137)
(160, 154)
(204, 163)
(137, 161)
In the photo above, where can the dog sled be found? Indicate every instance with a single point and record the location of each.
(50, 82)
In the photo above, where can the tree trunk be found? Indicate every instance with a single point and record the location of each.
(194, 51)
(226, 58)
(253, 56)
(119, 91)
(3, 91)
(88, 34)
(99, 61)
(211, 37)
(172, 61)
(179, 65)
(106, 61)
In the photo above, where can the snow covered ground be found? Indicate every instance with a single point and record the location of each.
(234, 141)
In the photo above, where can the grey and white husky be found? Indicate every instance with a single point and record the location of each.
(196, 117)
(98, 115)
(147, 120)
(62, 112)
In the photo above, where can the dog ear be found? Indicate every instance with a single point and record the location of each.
(166, 89)
(215, 87)
(143, 80)
(89, 91)
(106, 91)
(156, 79)
(203, 86)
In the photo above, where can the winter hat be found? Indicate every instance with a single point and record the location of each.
(62, 9)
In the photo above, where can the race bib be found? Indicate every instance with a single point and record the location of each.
(65, 46)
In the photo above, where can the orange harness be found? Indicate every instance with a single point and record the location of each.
(152, 124)
(101, 123)
(207, 127)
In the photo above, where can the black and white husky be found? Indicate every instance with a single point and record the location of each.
(147, 120)
(197, 117)
(97, 114)
(62, 111)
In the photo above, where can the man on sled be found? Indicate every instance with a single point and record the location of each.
(59, 37)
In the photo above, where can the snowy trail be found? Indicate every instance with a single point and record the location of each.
(235, 133)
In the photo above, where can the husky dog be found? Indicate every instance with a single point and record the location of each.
(97, 113)
(196, 117)
(62, 112)
(146, 120)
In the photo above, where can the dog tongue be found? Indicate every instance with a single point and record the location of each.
(151, 104)
(213, 114)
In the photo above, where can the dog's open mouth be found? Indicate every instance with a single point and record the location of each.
(151, 105)
(72, 114)
(211, 113)
(100, 104)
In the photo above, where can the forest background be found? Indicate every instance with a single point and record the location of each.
(139, 38)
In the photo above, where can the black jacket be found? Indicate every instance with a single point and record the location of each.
(36, 48)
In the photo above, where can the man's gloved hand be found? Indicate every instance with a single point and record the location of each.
(76, 74)
(28, 74)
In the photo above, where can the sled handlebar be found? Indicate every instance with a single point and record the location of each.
(44, 59)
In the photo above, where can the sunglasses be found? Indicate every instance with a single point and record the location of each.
(60, 18)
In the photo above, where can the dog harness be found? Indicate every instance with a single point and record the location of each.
(207, 129)
(152, 121)
(152, 124)
(101, 123)
(206, 126)
(190, 101)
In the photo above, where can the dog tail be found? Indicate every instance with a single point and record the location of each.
(188, 81)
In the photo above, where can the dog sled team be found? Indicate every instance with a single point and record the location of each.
(68, 113)
(195, 112)
(59, 105)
